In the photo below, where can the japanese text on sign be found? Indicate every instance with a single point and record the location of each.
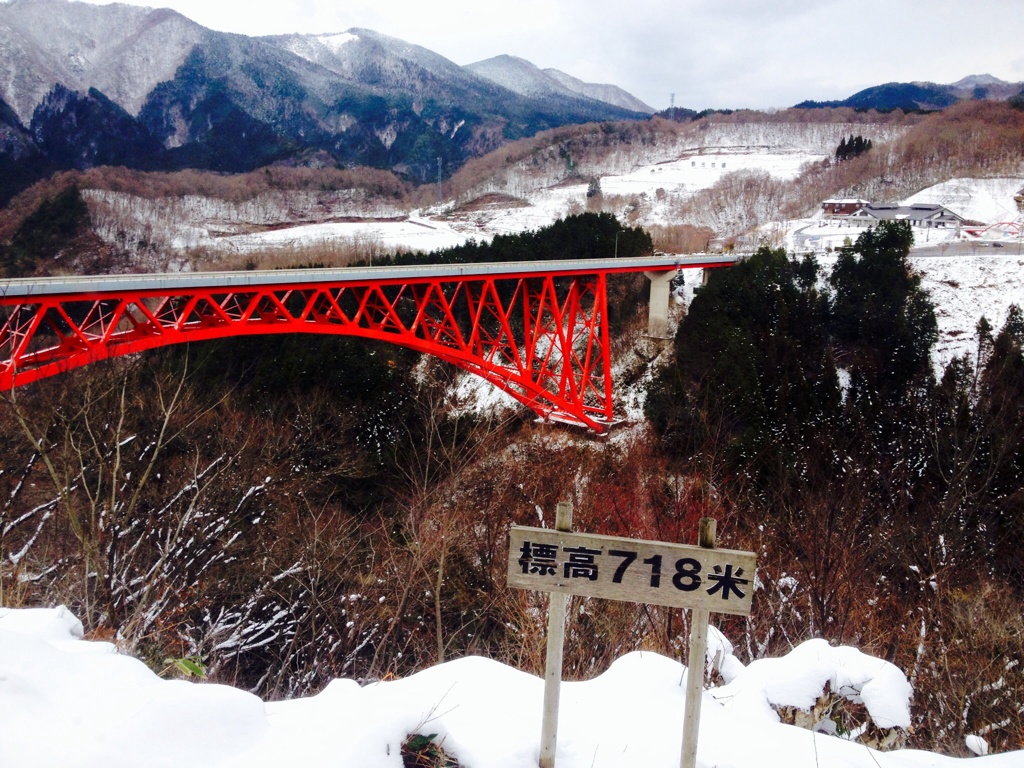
(657, 573)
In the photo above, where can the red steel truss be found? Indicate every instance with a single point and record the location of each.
(543, 339)
(537, 330)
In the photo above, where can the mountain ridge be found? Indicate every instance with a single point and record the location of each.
(923, 96)
(230, 103)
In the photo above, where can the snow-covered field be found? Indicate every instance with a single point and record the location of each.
(65, 701)
(413, 233)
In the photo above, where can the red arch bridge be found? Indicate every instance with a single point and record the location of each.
(537, 330)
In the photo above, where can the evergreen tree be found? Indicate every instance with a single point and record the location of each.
(851, 147)
(1001, 411)
(883, 321)
(841, 151)
(751, 363)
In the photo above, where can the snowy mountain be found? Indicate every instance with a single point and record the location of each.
(123, 51)
(973, 81)
(367, 59)
(610, 94)
(161, 92)
(526, 79)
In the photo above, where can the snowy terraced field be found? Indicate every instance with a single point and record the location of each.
(678, 179)
(697, 171)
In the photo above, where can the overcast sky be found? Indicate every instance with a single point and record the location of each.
(709, 53)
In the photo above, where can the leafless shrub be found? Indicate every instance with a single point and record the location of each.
(680, 238)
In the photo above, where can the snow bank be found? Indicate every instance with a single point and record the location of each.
(60, 706)
(798, 679)
(101, 709)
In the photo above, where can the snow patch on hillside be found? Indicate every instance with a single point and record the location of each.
(338, 41)
(412, 234)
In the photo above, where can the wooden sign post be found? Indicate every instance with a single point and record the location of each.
(553, 663)
(703, 579)
(696, 661)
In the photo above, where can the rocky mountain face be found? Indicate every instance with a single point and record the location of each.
(85, 85)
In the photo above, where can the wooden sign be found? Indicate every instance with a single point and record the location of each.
(634, 570)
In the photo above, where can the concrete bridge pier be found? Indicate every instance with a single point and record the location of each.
(657, 313)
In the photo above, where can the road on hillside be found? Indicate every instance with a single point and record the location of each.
(968, 248)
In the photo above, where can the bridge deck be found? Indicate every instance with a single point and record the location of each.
(50, 286)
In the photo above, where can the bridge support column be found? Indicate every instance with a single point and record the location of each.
(657, 312)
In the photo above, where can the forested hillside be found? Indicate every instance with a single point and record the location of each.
(781, 166)
(889, 504)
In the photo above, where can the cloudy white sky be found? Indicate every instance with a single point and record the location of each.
(709, 53)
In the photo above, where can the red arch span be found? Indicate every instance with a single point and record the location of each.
(537, 330)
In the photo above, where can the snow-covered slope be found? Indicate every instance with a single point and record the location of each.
(610, 94)
(518, 75)
(966, 288)
(986, 200)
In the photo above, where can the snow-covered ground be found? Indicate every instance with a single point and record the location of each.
(65, 701)
(663, 184)
(965, 288)
(826, 235)
(413, 233)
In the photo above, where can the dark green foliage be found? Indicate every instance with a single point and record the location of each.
(883, 322)
(707, 112)
(1001, 412)
(19, 158)
(357, 396)
(908, 97)
(75, 131)
(45, 233)
(758, 358)
(847, 150)
(421, 751)
(678, 114)
(752, 360)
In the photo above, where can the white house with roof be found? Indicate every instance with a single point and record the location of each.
(923, 215)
